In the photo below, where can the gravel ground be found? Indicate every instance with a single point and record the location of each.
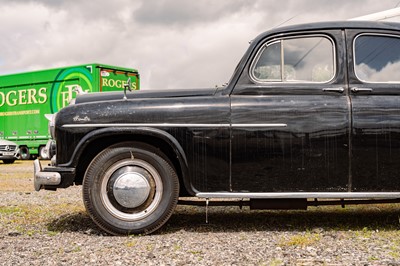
(52, 228)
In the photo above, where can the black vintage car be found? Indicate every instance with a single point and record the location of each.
(311, 116)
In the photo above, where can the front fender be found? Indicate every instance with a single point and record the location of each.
(107, 133)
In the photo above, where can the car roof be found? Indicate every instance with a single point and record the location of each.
(330, 25)
(316, 26)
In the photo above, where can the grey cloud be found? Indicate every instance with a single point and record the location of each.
(85, 10)
(176, 43)
(49, 3)
(185, 13)
(295, 11)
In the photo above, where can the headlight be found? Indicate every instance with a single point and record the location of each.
(52, 121)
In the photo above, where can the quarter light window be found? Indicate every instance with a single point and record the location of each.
(307, 59)
(377, 58)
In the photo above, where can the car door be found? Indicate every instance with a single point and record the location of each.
(374, 80)
(290, 116)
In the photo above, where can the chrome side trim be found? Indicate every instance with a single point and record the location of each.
(301, 195)
(259, 125)
(173, 125)
(145, 125)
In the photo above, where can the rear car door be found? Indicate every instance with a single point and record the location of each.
(290, 116)
(374, 80)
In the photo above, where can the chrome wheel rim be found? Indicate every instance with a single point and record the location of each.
(131, 189)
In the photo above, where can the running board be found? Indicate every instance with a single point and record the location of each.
(300, 195)
(284, 204)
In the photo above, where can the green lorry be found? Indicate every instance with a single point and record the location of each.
(25, 98)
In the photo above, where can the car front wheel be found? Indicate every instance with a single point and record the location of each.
(130, 190)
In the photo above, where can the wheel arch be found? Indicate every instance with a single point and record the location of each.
(99, 139)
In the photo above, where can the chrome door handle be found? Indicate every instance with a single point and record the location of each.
(355, 90)
(340, 90)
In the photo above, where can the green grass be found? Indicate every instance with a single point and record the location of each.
(302, 240)
(32, 219)
(13, 210)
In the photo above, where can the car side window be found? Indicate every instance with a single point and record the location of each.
(377, 58)
(301, 59)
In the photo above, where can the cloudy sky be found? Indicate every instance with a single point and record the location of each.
(173, 44)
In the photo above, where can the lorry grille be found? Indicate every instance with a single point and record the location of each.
(7, 147)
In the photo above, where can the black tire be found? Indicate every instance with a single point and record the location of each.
(42, 153)
(8, 161)
(24, 153)
(140, 209)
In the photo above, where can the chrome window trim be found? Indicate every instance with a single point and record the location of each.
(275, 40)
(300, 195)
(257, 57)
(174, 125)
(354, 57)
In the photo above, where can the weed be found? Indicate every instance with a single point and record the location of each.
(52, 233)
(10, 210)
(131, 243)
(198, 254)
(195, 252)
(275, 262)
(372, 258)
(76, 249)
(31, 232)
(364, 233)
(306, 239)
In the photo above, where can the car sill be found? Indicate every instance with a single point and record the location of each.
(301, 195)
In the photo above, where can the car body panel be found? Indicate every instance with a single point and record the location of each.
(259, 137)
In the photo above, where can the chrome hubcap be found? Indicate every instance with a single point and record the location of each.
(131, 190)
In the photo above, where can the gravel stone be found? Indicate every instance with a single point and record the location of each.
(321, 236)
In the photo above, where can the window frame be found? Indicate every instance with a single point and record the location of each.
(354, 57)
(275, 40)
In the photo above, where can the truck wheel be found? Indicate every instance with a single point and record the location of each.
(24, 153)
(8, 161)
(42, 153)
(128, 190)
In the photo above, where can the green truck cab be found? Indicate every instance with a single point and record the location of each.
(25, 98)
